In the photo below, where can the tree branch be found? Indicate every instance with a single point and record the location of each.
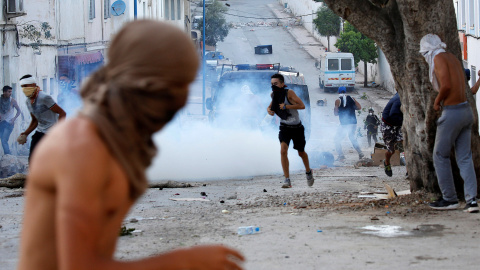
(373, 20)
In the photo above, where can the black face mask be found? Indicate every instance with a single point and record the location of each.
(276, 88)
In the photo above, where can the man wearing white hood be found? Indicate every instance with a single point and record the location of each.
(454, 127)
(43, 109)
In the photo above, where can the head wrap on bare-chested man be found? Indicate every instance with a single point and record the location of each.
(144, 83)
(430, 46)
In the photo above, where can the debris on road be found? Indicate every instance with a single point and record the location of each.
(190, 199)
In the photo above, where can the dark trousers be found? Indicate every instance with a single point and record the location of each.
(35, 140)
(371, 134)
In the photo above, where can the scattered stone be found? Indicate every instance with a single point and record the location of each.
(233, 197)
(15, 181)
(222, 201)
(169, 184)
(302, 205)
(264, 190)
(225, 211)
(203, 193)
(374, 218)
(11, 165)
(133, 220)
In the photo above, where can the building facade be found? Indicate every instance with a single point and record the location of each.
(50, 39)
(468, 25)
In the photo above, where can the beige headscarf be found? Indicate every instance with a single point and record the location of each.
(140, 89)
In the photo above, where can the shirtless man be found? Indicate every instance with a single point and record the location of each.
(89, 170)
(476, 85)
(454, 127)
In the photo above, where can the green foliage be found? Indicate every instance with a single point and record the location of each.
(362, 48)
(327, 22)
(216, 26)
(124, 231)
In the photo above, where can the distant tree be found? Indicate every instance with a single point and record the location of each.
(327, 23)
(362, 48)
(216, 26)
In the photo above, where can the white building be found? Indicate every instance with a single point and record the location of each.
(50, 38)
(468, 21)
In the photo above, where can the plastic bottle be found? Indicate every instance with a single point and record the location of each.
(248, 230)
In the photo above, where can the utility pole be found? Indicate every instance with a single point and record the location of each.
(135, 10)
(203, 61)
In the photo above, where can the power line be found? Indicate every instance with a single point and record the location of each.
(258, 18)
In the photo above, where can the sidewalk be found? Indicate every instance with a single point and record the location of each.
(311, 45)
(379, 97)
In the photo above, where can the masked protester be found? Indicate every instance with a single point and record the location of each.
(285, 104)
(43, 109)
(94, 163)
(454, 127)
(371, 125)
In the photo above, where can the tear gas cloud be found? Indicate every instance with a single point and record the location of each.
(240, 141)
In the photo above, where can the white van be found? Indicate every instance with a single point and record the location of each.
(336, 69)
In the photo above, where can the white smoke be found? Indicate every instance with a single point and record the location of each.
(235, 145)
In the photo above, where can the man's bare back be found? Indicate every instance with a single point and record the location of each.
(451, 78)
(72, 159)
(77, 198)
(88, 171)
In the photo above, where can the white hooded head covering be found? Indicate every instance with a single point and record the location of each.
(430, 46)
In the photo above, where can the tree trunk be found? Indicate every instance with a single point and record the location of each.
(397, 28)
(328, 43)
(365, 84)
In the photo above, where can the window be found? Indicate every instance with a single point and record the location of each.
(14, 89)
(44, 85)
(167, 9)
(346, 64)
(473, 75)
(6, 70)
(332, 64)
(179, 10)
(106, 9)
(172, 9)
(462, 26)
(471, 16)
(52, 84)
(91, 12)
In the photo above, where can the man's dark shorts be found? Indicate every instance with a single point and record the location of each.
(295, 133)
(391, 135)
